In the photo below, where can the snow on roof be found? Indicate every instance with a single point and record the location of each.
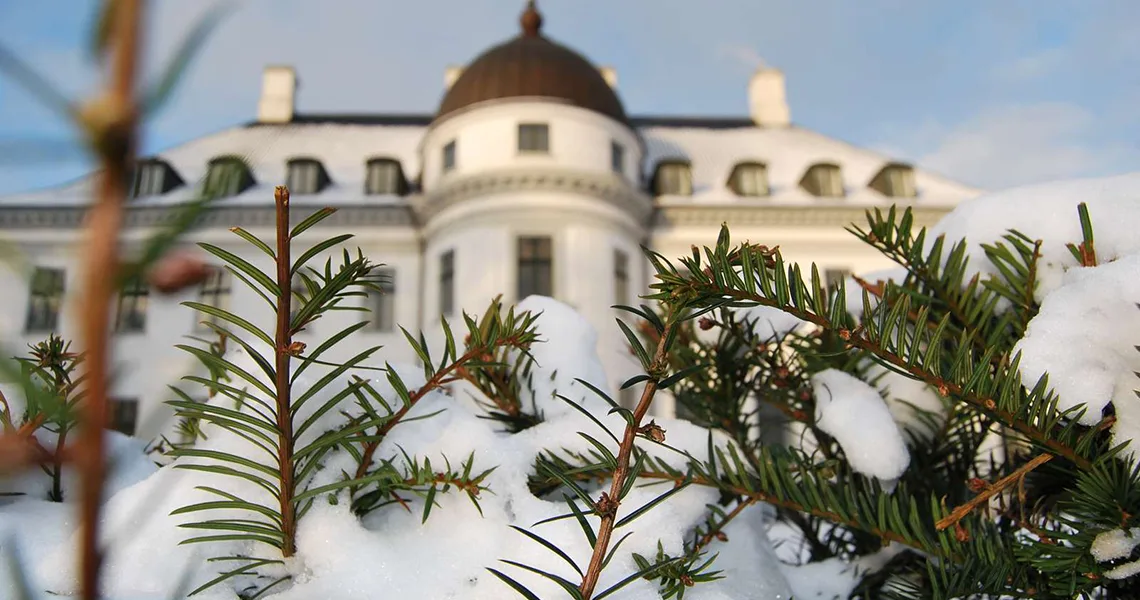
(344, 145)
(787, 152)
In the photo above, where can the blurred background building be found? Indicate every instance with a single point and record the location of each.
(531, 178)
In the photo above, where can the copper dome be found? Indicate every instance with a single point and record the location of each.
(532, 65)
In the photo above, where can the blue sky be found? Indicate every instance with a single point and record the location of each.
(992, 92)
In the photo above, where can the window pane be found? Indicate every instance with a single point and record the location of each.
(383, 178)
(617, 158)
(534, 137)
(751, 180)
(383, 304)
(674, 180)
(621, 277)
(833, 277)
(132, 307)
(449, 156)
(535, 268)
(303, 177)
(447, 282)
(44, 300)
(215, 291)
(124, 415)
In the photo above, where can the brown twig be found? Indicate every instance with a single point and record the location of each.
(111, 128)
(608, 504)
(960, 512)
(283, 353)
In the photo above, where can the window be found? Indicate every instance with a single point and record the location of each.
(823, 180)
(449, 157)
(124, 415)
(383, 303)
(44, 300)
(833, 277)
(131, 314)
(297, 299)
(629, 397)
(305, 176)
(749, 179)
(447, 282)
(617, 158)
(621, 277)
(535, 267)
(215, 292)
(383, 176)
(674, 179)
(895, 181)
(227, 176)
(534, 137)
(153, 177)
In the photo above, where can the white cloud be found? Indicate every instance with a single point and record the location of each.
(1015, 144)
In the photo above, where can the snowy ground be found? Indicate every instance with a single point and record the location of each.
(390, 552)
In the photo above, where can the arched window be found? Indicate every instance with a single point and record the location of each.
(384, 176)
(673, 179)
(895, 180)
(306, 176)
(153, 177)
(227, 176)
(823, 180)
(749, 179)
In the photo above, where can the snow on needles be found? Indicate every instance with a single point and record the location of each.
(340, 555)
(851, 411)
(1088, 325)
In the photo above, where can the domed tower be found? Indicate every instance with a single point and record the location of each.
(531, 186)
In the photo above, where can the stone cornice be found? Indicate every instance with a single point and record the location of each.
(71, 217)
(779, 216)
(603, 186)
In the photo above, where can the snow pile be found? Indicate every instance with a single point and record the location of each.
(1085, 333)
(851, 411)
(1085, 338)
(1116, 544)
(1048, 212)
(342, 556)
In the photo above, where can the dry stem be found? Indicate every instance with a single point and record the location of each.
(282, 351)
(612, 499)
(113, 137)
(960, 513)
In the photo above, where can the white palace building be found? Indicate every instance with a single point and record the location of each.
(530, 178)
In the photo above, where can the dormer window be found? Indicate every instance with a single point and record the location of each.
(673, 179)
(383, 176)
(153, 177)
(306, 176)
(534, 138)
(895, 181)
(449, 157)
(617, 157)
(823, 180)
(749, 179)
(227, 176)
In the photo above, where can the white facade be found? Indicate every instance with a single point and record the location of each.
(468, 188)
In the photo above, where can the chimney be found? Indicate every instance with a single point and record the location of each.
(450, 75)
(610, 75)
(767, 100)
(278, 95)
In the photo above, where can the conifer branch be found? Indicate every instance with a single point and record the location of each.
(283, 353)
(607, 505)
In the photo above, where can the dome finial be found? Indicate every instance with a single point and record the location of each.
(531, 20)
